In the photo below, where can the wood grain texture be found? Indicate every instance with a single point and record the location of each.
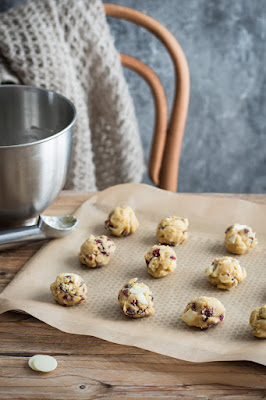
(90, 368)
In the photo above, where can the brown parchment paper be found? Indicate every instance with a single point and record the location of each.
(164, 332)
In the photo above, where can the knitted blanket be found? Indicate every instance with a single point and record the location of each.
(66, 46)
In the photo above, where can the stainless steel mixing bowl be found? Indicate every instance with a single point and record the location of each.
(36, 127)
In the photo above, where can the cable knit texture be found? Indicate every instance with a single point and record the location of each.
(66, 46)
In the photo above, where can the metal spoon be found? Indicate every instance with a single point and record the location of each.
(47, 227)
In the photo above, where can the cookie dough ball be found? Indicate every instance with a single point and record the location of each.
(225, 272)
(172, 231)
(69, 289)
(239, 238)
(160, 260)
(96, 251)
(136, 299)
(258, 322)
(204, 312)
(122, 221)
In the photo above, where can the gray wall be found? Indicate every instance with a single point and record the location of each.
(224, 147)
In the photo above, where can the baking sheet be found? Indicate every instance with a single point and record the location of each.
(164, 332)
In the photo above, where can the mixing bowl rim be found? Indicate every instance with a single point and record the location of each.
(37, 142)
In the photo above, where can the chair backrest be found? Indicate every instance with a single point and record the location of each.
(167, 137)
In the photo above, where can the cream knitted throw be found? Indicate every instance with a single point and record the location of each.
(66, 46)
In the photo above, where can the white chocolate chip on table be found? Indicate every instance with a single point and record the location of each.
(239, 239)
(42, 363)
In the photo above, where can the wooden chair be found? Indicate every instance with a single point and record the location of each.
(167, 138)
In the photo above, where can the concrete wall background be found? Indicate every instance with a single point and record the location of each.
(224, 147)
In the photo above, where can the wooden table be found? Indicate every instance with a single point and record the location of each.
(90, 368)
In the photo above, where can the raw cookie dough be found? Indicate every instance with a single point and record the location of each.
(225, 272)
(258, 322)
(69, 289)
(172, 231)
(160, 260)
(203, 312)
(96, 251)
(239, 238)
(122, 221)
(136, 299)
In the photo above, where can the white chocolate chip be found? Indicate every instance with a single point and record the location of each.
(226, 261)
(238, 227)
(30, 362)
(141, 298)
(137, 290)
(190, 315)
(209, 270)
(43, 363)
(232, 239)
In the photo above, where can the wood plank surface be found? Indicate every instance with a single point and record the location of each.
(90, 368)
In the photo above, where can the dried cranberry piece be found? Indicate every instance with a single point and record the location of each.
(82, 298)
(130, 311)
(65, 297)
(207, 312)
(193, 306)
(98, 241)
(125, 292)
(173, 258)
(128, 285)
(134, 302)
(61, 288)
(221, 317)
(228, 229)
(147, 262)
(156, 252)
(246, 230)
(107, 224)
